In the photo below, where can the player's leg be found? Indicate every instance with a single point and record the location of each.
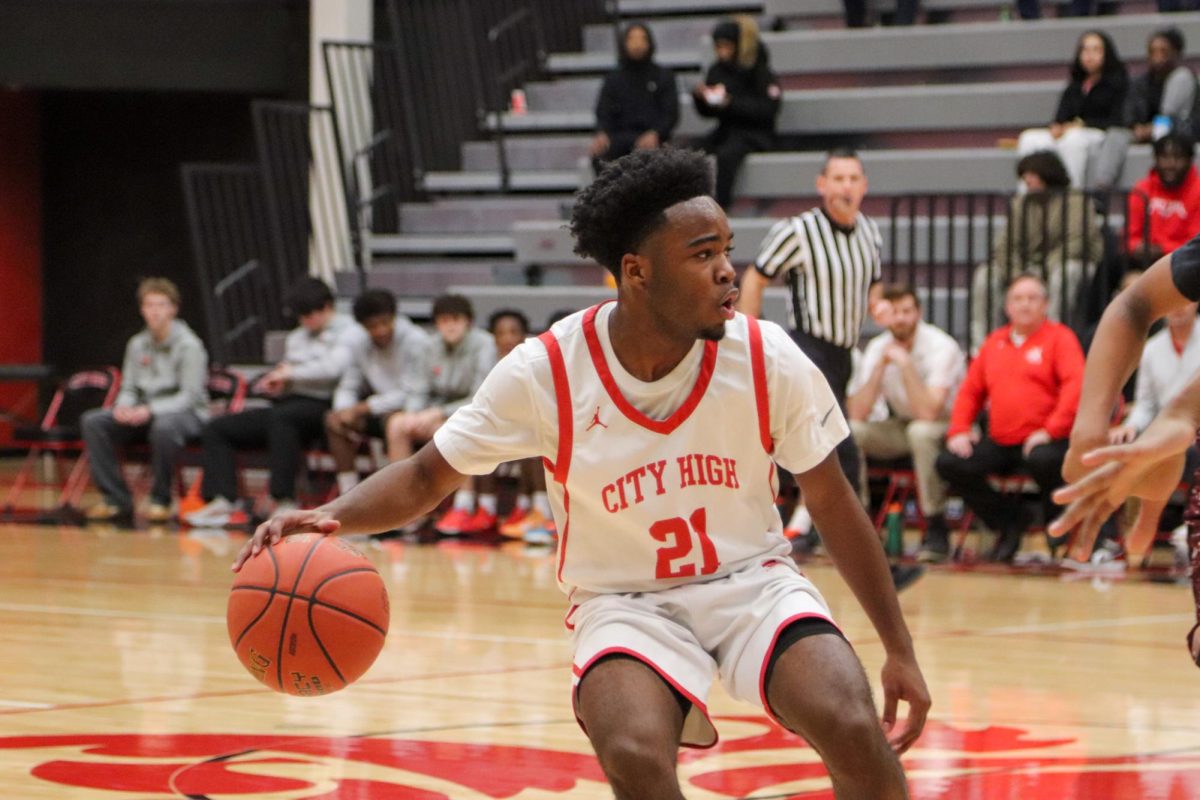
(816, 686)
(634, 720)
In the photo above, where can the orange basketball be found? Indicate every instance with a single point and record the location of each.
(308, 616)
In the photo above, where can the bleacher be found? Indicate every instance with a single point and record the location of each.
(925, 104)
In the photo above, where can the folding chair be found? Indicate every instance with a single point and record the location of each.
(59, 435)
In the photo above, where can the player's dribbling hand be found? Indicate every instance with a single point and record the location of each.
(285, 524)
(902, 680)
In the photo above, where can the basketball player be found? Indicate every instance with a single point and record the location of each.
(1102, 478)
(660, 418)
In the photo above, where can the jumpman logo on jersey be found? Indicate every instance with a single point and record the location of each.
(595, 421)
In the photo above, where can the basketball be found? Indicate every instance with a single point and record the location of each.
(308, 616)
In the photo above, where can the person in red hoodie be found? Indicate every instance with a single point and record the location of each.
(1172, 189)
(1028, 374)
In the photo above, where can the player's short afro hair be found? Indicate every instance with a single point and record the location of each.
(626, 202)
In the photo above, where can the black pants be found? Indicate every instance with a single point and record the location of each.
(290, 424)
(836, 364)
(967, 477)
(620, 143)
(731, 146)
(856, 13)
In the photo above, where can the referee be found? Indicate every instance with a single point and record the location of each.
(829, 256)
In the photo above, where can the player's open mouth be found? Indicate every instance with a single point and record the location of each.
(727, 305)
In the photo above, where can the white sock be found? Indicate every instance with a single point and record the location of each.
(488, 503)
(541, 504)
(465, 500)
(346, 481)
(801, 520)
(523, 502)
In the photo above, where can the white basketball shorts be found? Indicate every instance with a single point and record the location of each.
(687, 634)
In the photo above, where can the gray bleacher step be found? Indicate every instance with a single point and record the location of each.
(549, 241)
(799, 9)
(426, 278)
(566, 63)
(581, 92)
(529, 153)
(790, 174)
(679, 33)
(650, 8)
(476, 214)
(960, 45)
(1005, 105)
(462, 243)
(894, 172)
(489, 181)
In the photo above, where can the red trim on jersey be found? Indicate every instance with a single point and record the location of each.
(566, 438)
(762, 671)
(759, 369)
(579, 672)
(707, 365)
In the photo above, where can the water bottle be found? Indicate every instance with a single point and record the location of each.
(1160, 127)
(894, 525)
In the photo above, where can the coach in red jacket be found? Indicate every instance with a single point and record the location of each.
(1028, 375)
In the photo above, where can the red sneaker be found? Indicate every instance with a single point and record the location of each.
(480, 522)
(454, 522)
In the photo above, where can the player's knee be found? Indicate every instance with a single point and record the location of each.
(632, 759)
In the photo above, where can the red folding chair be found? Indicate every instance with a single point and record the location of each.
(59, 435)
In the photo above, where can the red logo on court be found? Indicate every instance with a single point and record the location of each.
(949, 763)
(595, 421)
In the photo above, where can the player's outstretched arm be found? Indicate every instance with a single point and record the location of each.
(854, 547)
(1114, 355)
(393, 496)
(1149, 467)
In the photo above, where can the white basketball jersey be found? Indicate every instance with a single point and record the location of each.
(644, 504)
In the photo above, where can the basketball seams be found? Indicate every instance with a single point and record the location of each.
(316, 601)
(288, 610)
(266, 605)
(312, 629)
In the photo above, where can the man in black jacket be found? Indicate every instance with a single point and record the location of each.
(743, 94)
(638, 106)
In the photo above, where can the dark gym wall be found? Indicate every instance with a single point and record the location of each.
(113, 208)
(126, 92)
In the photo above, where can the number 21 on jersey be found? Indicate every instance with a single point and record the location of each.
(678, 535)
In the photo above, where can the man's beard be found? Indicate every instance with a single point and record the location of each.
(714, 334)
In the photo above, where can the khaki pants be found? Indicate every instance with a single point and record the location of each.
(920, 439)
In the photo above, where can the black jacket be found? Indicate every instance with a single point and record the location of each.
(638, 96)
(1101, 108)
(754, 95)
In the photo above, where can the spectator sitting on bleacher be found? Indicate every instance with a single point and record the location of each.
(899, 404)
(1165, 93)
(857, 15)
(460, 357)
(386, 375)
(1052, 230)
(163, 400)
(743, 94)
(1092, 102)
(1170, 360)
(1172, 192)
(301, 387)
(1028, 375)
(638, 106)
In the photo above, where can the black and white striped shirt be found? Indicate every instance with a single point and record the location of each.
(829, 270)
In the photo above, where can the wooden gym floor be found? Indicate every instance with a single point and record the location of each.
(119, 682)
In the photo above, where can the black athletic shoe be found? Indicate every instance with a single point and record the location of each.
(905, 575)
